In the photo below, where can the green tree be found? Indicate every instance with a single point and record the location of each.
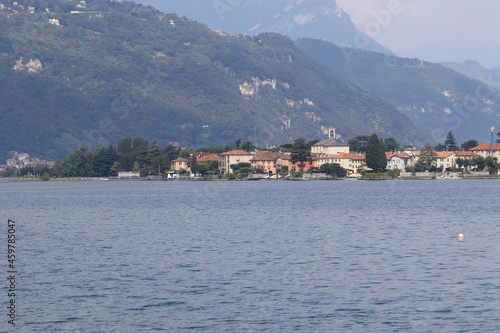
(391, 145)
(169, 153)
(312, 143)
(469, 144)
(140, 154)
(237, 144)
(359, 143)
(79, 164)
(260, 171)
(479, 162)
(334, 169)
(375, 154)
(208, 168)
(125, 146)
(301, 152)
(451, 142)
(372, 152)
(382, 157)
(40, 169)
(467, 164)
(216, 150)
(154, 159)
(25, 171)
(440, 147)
(57, 169)
(184, 153)
(194, 165)
(428, 157)
(490, 162)
(248, 146)
(113, 171)
(103, 158)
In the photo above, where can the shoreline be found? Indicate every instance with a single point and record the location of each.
(105, 179)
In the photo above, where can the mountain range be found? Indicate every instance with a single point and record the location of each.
(436, 98)
(85, 74)
(475, 70)
(320, 19)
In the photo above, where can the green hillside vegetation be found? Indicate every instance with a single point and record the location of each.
(122, 69)
(435, 97)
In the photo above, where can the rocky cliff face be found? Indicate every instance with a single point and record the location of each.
(32, 65)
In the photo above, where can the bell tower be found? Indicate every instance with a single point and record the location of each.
(331, 132)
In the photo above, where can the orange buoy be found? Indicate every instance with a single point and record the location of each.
(461, 236)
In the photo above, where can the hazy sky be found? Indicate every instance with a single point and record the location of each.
(434, 30)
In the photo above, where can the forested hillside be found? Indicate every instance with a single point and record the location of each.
(435, 97)
(87, 74)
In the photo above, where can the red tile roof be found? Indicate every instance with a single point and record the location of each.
(486, 147)
(199, 154)
(207, 158)
(351, 156)
(265, 157)
(466, 154)
(398, 154)
(235, 152)
(444, 154)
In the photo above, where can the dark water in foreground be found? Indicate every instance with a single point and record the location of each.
(255, 256)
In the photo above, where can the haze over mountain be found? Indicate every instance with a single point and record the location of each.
(475, 70)
(436, 31)
(437, 99)
(320, 19)
(74, 75)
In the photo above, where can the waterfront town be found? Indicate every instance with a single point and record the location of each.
(23, 160)
(273, 164)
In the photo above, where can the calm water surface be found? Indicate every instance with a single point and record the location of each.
(345, 256)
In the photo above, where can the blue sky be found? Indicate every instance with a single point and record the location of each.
(433, 30)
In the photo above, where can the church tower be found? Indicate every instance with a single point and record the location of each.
(331, 132)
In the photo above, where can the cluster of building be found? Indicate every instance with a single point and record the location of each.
(329, 151)
(22, 160)
(17, 8)
(223, 34)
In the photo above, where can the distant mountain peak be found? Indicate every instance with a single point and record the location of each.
(319, 19)
(475, 70)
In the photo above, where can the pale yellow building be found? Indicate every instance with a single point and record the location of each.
(179, 164)
(348, 161)
(233, 157)
(484, 150)
(444, 159)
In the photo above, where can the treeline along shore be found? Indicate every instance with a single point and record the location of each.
(364, 157)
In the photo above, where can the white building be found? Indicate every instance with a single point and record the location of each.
(399, 161)
(129, 175)
(330, 146)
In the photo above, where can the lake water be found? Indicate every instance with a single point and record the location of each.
(283, 256)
